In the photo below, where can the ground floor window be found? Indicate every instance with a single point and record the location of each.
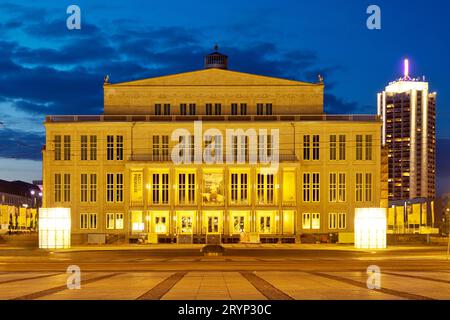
(185, 222)
(213, 224)
(265, 222)
(88, 221)
(137, 224)
(332, 221)
(114, 221)
(342, 222)
(212, 221)
(84, 221)
(238, 224)
(311, 221)
(160, 220)
(238, 221)
(306, 221)
(160, 225)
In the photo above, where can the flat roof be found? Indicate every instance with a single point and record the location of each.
(234, 118)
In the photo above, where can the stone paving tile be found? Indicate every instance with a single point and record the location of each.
(305, 286)
(22, 288)
(127, 286)
(213, 286)
(426, 288)
(12, 276)
(436, 275)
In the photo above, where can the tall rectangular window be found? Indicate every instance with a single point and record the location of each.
(119, 221)
(315, 221)
(306, 187)
(359, 147)
(57, 187)
(342, 147)
(186, 188)
(93, 187)
(368, 187)
(342, 187)
(84, 147)
(84, 187)
(333, 187)
(316, 147)
(342, 221)
(155, 148)
(110, 147)
(157, 109)
(110, 187)
(259, 109)
(243, 109)
(160, 191)
(306, 221)
(369, 144)
(119, 187)
(183, 109)
(93, 141)
(244, 188)
(119, 147)
(92, 221)
(191, 188)
(110, 218)
(58, 147)
(192, 109)
(332, 221)
(218, 109)
(234, 109)
(359, 187)
(66, 187)
(84, 221)
(265, 188)
(306, 147)
(268, 109)
(167, 109)
(333, 147)
(165, 148)
(66, 147)
(316, 187)
(239, 188)
(209, 109)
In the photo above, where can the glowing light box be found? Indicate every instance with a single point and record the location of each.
(370, 228)
(54, 228)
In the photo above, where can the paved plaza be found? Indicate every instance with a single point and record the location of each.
(244, 273)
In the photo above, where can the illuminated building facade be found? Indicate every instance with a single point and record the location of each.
(408, 112)
(117, 174)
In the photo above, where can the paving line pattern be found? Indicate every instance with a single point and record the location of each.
(157, 292)
(43, 293)
(397, 293)
(268, 290)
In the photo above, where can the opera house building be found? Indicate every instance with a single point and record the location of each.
(212, 156)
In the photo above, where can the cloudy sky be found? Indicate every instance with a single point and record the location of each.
(47, 69)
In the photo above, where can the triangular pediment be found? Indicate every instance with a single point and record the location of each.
(214, 77)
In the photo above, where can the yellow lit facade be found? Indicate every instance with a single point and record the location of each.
(116, 171)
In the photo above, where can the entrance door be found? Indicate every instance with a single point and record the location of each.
(185, 222)
(212, 222)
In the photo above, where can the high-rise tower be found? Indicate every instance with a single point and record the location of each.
(408, 111)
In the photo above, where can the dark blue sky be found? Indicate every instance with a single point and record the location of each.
(47, 69)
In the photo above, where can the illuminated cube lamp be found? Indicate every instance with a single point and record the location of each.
(370, 228)
(54, 228)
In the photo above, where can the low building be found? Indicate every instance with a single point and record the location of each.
(19, 202)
